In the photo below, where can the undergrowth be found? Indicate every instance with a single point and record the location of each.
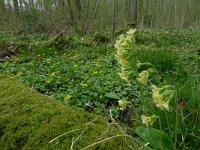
(83, 71)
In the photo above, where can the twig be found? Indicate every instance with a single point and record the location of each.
(72, 131)
(71, 148)
(119, 135)
(64, 134)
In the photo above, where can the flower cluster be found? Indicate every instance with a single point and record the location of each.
(84, 85)
(67, 97)
(148, 121)
(123, 46)
(162, 96)
(123, 104)
(143, 77)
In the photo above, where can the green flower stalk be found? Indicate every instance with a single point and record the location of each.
(139, 64)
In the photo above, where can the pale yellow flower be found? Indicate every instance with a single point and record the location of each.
(163, 104)
(162, 99)
(67, 97)
(83, 85)
(121, 37)
(123, 75)
(124, 63)
(123, 104)
(75, 66)
(125, 43)
(155, 90)
(138, 64)
(148, 121)
(131, 31)
(52, 74)
(118, 43)
(19, 74)
(6, 62)
(122, 45)
(97, 64)
(120, 53)
(95, 72)
(143, 77)
(129, 38)
(48, 81)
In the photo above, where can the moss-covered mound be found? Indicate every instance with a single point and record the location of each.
(30, 120)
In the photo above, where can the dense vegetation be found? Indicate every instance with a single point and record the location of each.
(30, 120)
(85, 54)
(82, 71)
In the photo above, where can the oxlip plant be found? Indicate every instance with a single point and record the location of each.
(164, 122)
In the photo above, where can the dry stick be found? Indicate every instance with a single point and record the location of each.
(74, 141)
(72, 131)
(6, 98)
(117, 124)
(64, 134)
(71, 148)
(119, 135)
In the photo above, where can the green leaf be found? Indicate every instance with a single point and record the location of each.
(112, 95)
(157, 138)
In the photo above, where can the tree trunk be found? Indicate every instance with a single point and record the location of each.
(16, 8)
(72, 16)
(114, 18)
(132, 13)
(78, 7)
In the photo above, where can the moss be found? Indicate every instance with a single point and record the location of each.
(30, 120)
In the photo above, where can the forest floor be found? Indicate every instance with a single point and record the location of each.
(82, 71)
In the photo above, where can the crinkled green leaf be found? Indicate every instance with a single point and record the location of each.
(112, 95)
(157, 138)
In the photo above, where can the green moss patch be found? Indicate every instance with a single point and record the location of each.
(30, 120)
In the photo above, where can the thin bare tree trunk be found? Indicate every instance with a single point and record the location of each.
(113, 18)
(175, 14)
(184, 14)
(132, 12)
(16, 8)
(92, 19)
(72, 16)
(78, 7)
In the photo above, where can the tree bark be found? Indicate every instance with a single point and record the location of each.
(16, 8)
(132, 12)
(114, 18)
(78, 7)
(72, 15)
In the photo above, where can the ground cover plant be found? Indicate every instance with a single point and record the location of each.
(30, 120)
(84, 73)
